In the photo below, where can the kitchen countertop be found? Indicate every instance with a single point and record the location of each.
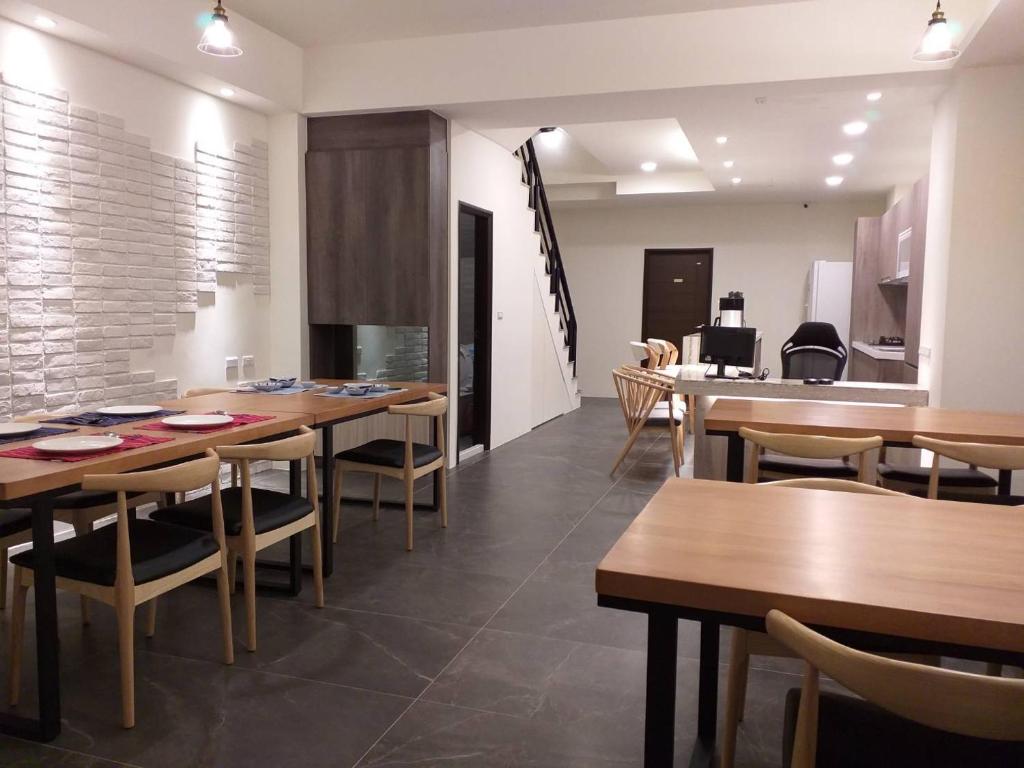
(879, 353)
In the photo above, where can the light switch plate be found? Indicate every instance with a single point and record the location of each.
(231, 363)
(248, 361)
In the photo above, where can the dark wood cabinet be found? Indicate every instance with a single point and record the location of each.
(915, 284)
(377, 228)
(866, 368)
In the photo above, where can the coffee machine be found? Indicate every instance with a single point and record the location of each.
(730, 311)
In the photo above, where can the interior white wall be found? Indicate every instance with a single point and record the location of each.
(174, 117)
(981, 362)
(764, 250)
(487, 175)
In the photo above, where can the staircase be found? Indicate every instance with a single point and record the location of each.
(551, 279)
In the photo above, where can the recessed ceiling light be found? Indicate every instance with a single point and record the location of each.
(649, 166)
(227, 93)
(729, 163)
(722, 139)
(736, 180)
(45, 22)
(843, 158)
(552, 137)
(856, 128)
(834, 181)
(875, 96)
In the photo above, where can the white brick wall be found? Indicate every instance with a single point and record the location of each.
(103, 241)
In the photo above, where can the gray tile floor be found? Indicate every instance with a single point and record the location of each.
(483, 647)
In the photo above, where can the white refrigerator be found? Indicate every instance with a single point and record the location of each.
(829, 292)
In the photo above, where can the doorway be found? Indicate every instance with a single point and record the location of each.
(474, 337)
(677, 292)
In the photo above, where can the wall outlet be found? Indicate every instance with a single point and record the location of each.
(248, 361)
(231, 365)
(501, 315)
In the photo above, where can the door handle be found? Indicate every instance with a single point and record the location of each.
(677, 280)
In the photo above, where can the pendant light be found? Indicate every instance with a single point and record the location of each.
(218, 40)
(937, 44)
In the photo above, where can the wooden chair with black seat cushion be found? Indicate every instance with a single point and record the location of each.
(641, 396)
(746, 643)
(256, 518)
(133, 562)
(401, 459)
(909, 715)
(806, 456)
(15, 529)
(999, 457)
(908, 478)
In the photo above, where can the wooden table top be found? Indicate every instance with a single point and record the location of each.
(895, 425)
(930, 570)
(25, 477)
(322, 409)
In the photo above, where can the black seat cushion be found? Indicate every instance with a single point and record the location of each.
(954, 477)
(270, 510)
(157, 550)
(88, 499)
(1000, 499)
(14, 521)
(853, 733)
(792, 465)
(390, 453)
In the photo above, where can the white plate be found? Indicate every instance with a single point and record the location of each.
(12, 428)
(190, 421)
(129, 410)
(78, 444)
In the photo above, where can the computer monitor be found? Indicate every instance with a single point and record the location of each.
(722, 346)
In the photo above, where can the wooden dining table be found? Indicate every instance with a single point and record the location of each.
(877, 572)
(896, 425)
(37, 483)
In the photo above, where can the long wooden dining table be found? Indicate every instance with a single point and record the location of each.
(896, 425)
(35, 484)
(877, 572)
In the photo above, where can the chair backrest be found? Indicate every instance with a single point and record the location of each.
(180, 478)
(835, 484)
(976, 454)
(197, 391)
(814, 351)
(642, 352)
(807, 447)
(639, 391)
(436, 406)
(957, 702)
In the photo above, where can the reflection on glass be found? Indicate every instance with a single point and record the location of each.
(391, 352)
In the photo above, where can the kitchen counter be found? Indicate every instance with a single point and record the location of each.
(879, 353)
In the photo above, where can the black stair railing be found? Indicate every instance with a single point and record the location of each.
(553, 265)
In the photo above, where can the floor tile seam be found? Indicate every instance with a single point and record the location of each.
(497, 611)
(66, 750)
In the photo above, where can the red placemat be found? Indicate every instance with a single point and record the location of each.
(130, 442)
(240, 419)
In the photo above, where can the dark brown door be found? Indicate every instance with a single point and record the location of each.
(677, 292)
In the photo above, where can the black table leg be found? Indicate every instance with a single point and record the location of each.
(1005, 482)
(47, 727)
(707, 697)
(327, 493)
(659, 728)
(734, 462)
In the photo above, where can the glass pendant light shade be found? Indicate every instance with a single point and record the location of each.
(937, 44)
(218, 39)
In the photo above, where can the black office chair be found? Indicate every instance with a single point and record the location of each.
(814, 351)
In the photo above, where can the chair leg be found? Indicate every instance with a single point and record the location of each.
(336, 512)
(318, 564)
(126, 652)
(673, 436)
(442, 494)
(151, 618)
(234, 475)
(82, 527)
(409, 489)
(691, 405)
(3, 579)
(232, 571)
(249, 576)
(17, 637)
(735, 697)
(224, 589)
(625, 449)
(377, 479)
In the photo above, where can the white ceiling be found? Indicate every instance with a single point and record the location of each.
(326, 22)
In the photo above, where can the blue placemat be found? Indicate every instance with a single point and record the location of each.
(41, 432)
(285, 391)
(367, 396)
(92, 419)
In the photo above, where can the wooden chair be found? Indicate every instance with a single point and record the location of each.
(401, 459)
(909, 478)
(199, 392)
(1001, 457)
(644, 354)
(670, 356)
(640, 392)
(256, 518)
(746, 643)
(806, 456)
(133, 562)
(15, 529)
(913, 714)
